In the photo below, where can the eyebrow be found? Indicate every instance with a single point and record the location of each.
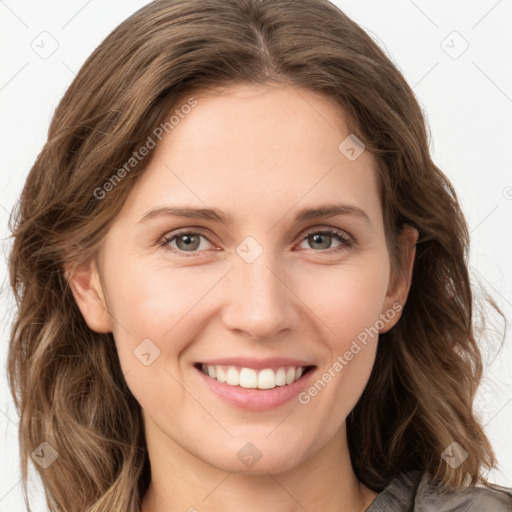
(322, 211)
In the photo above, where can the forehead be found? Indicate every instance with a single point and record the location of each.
(258, 150)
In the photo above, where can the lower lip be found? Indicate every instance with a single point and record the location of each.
(253, 399)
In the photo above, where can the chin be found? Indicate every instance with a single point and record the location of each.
(256, 458)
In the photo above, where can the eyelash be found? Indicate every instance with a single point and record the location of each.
(338, 235)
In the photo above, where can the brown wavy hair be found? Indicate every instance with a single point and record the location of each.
(66, 379)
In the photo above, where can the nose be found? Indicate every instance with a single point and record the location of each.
(260, 300)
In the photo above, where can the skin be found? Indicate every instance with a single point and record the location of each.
(258, 154)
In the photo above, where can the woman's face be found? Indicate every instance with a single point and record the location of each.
(261, 290)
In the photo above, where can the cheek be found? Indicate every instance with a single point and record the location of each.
(156, 312)
(161, 302)
(154, 301)
(347, 299)
(349, 308)
(172, 306)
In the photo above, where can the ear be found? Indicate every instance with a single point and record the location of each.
(399, 287)
(88, 292)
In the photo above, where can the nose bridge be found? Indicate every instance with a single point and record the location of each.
(261, 280)
(260, 302)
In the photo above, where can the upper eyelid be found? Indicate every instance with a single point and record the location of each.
(172, 235)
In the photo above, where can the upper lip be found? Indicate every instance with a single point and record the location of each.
(257, 364)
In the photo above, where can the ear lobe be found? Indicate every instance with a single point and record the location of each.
(397, 294)
(87, 290)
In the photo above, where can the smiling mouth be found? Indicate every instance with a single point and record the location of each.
(250, 378)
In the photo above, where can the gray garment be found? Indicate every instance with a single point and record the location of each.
(414, 492)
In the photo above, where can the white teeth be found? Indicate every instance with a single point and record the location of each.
(248, 378)
(267, 378)
(233, 377)
(281, 377)
(221, 375)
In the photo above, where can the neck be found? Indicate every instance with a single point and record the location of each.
(181, 481)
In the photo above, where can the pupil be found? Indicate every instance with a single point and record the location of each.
(188, 241)
(317, 239)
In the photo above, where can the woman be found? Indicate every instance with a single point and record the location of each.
(182, 342)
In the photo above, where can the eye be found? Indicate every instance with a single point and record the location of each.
(186, 241)
(322, 238)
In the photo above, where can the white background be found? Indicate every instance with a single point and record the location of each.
(467, 101)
